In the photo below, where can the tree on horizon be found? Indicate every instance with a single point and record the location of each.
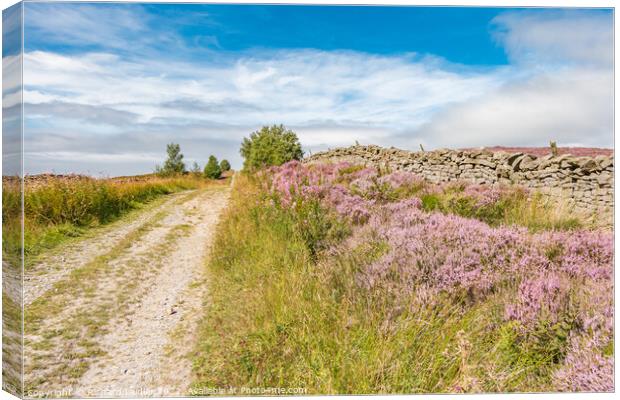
(174, 164)
(271, 145)
(212, 169)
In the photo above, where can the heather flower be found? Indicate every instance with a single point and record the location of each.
(399, 179)
(452, 253)
(595, 306)
(365, 173)
(483, 195)
(585, 369)
(365, 185)
(446, 251)
(540, 293)
(348, 205)
(587, 254)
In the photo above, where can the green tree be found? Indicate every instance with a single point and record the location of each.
(174, 165)
(271, 145)
(212, 169)
(224, 165)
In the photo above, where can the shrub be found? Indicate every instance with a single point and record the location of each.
(224, 165)
(272, 145)
(212, 169)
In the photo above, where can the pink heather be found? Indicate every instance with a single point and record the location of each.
(430, 253)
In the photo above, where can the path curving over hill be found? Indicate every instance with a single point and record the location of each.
(118, 317)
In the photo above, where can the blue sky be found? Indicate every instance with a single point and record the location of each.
(459, 35)
(108, 85)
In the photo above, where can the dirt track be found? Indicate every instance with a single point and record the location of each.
(115, 314)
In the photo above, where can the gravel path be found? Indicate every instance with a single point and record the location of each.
(122, 321)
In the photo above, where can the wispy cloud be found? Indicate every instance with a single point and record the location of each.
(129, 29)
(94, 114)
(80, 25)
(298, 86)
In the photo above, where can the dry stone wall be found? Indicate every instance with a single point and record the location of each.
(585, 182)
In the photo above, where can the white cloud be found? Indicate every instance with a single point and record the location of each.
(294, 87)
(317, 137)
(127, 28)
(97, 157)
(571, 107)
(551, 37)
(11, 99)
(11, 79)
(82, 24)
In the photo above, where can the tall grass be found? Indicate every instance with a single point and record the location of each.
(326, 313)
(89, 201)
(11, 223)
(59, 208)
